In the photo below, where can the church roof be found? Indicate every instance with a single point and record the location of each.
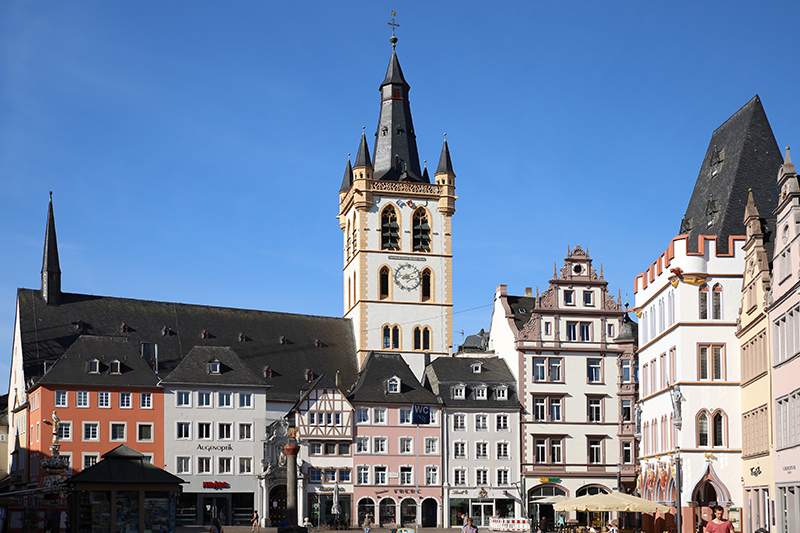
(394, 74)
(742, 155)
(287, 343)
(347, 179)
(445, 165)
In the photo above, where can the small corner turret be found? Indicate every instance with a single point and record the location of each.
(51, 271)
(446, 177)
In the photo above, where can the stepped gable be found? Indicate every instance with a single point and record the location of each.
(72, 368)
(444, 372)
(287, 342)
(742, 155)
(371, 386)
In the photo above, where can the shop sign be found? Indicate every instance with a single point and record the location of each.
(211, 448)
(549, 480)
(216, 485)
(406, 491)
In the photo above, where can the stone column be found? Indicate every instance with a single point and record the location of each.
(291, 477)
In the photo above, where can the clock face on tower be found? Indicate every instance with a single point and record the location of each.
(407, 277)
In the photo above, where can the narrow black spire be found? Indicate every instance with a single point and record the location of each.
(51, 271)
(362, 158)
(347, 180)
(396, 156)
(445, 165)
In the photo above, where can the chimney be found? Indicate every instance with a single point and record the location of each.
(528, 292)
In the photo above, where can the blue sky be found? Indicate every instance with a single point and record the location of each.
(195, 148)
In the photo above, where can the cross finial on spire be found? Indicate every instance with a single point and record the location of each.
(394, 25)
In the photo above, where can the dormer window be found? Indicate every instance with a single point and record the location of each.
(480, 392)
(214, 366)
(267, 372)
(393, 385)
(476, 368)
(458, 392)
(93, 367)
(501, 393)
(115, 367)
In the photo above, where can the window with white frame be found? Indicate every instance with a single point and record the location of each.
(539, 368)
(502, 450)
(144, 432)
(184, 398)
(224, 399)
(204, 465)
(572, 331)
(555, 450)
(406, 475)
(379, 445)
(362, 475)
(459, 422)
(481, 423)
(539, 409)
(555, 409)
(459, 450)
(362, 444)
(458, 392)
(145, 400)
(405, 416)
(204, 399)
(595, 451)
(502, 477)
(245, 431)
(183, 430)
(118, 431)
(91, 431)
(379, 415)
(362, 415)
(481, 476)
(406, 445)
(104, 400)
(540, 450)
(224, 465)
(431, 445)
(90, 459)
(315, 448)
(61, 398)
(380, 475)
(502, 422)
(65, 430)
(460, 477)
(501, 393)
(82, 398)
(711, 362)
(393, 385)
(594, 409)
(481, 450)
(125, 400)
(594, 371)
(480, 392)
(183, 465)
(434, 416)
(245, 400)
(245, 465)
(344, 475)
(431, 475)
(224, 431)
(204, 430)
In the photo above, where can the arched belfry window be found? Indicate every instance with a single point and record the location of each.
(422, 338)
(390, 229)
(716, 302)
(426, 285)
(703, 301)
(391, 337)
(385, 276)
(422, 231)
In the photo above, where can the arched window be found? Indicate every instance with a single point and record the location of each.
(716, 302)
(384, 281)
(427, 285)
(355, 238)
(718, 421)
(422, 231)
(347, 237)
(387, 336)
(703, 301)
(702, 429)
(391, 337)
(387, 511)
(426, 339)
(390, 229)
(422, 338)
(396, 337)
(365, 507)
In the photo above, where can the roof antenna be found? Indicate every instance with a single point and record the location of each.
(394, 25)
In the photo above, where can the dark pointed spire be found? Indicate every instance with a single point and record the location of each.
(425, 177)
(347, 180)
(362, 158)
(445, 165)
(51, 271)
(394, 74)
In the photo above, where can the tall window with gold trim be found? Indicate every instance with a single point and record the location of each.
(422, 231)
(390, 229)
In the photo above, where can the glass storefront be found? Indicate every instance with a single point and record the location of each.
(95, 507)
(480, 509)
(320, 509)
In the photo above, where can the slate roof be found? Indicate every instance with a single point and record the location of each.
(442, 374)
(742, 154)
(445, 165)
(521, 306)
(287, 343)
(347, 179)
(629, 329)
(124, 465)
(377, 369)
(194, 368)
(72, 367)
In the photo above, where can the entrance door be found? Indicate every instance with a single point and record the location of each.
(429, 508)
(481, 513)
(215, 507)
(277, 505)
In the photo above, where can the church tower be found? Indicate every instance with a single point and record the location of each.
(398, 260)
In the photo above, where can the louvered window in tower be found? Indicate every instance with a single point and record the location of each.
(422, 231)
(426, 285)
(390, 230)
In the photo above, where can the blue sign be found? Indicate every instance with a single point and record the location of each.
(421, 414)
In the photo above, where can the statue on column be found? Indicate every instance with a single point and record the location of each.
(677, 398)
